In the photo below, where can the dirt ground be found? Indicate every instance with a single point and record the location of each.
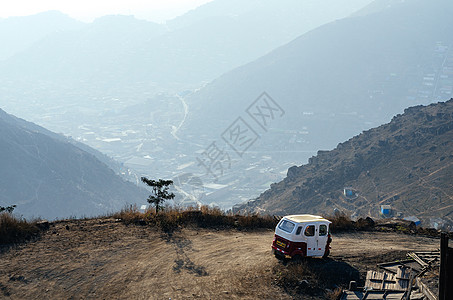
(105, 259)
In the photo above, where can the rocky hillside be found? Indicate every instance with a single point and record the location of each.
(407, 163)
(46, 176)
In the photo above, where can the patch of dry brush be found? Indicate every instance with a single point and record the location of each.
(313, 278)
(15, 230)
(171, 218)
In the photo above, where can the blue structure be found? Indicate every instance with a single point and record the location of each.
(348, 192)
(413, 219)
(386, 210)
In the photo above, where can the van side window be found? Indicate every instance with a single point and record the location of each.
(299, 229)
(322, 229)
(286, 226)
(310, 230)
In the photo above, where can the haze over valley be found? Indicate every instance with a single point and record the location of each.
(225, 98)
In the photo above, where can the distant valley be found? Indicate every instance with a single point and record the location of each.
(119, 84)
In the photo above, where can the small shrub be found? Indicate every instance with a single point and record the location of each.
(335, 294)
(402, 229)
(129, 215)
(341, 222)
(14, 230)
(168, 219)
(312, 276)
(365, 224)
(297, 278)
(256, 221)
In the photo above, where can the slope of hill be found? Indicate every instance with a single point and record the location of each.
(377, 6)
(49, 177)
(284, 13)
(104, 259)
(94, 52)
(19, 33)
(407, 163)
(358, 71)
(125, 50)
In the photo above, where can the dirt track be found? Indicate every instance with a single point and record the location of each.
(104, 259)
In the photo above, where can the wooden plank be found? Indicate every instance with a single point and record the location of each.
(393, 266)
(418, 259)
(383, 277)
(376, 296)
(425, 290)
(352, 295)
(409, 288)
(388, 281)
(395, 295)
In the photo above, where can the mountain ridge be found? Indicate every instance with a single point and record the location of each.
(48, 177)
(19, 33)
(203, 48)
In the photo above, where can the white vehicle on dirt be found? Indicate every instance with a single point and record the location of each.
(302, 236)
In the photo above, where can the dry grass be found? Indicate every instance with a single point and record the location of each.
(313, 278)
(295, 275)
(335, 294)
(171, 218)
(343, 223)
(14, 230)
(129, 215)
(300, 279)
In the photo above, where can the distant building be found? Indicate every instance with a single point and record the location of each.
(437, 223)
(386, 210)
(413, 219)
(349, 192)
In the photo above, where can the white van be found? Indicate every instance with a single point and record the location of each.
(302, 236)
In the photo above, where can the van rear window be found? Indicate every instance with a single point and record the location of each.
(287, 226)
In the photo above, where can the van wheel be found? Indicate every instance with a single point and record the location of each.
(326, 254)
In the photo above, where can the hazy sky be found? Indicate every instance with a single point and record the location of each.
(87, 10)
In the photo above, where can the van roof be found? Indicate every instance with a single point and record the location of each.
(306, 218)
